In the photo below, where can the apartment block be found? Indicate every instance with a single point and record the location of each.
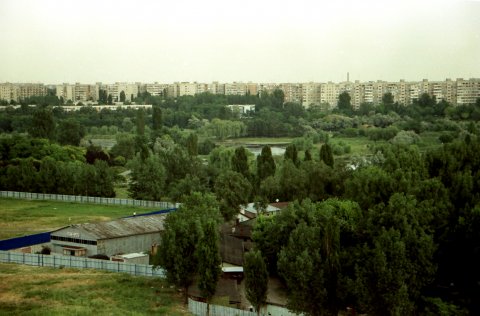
(235, 88)
(8, 92)
(155, 89)
(468, 91)
(293, 92)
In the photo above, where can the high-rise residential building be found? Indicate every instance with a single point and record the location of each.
(155, 89)
(26, 90)
(8, 92)
(292, 91)
(235, 88)
(329, 94)
(252, 88)
(468, 91)
(66, 92)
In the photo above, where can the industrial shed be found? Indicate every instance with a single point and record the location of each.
(126, 235)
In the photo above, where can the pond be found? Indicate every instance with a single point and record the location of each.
(276, 150)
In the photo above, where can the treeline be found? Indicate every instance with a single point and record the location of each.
(38, 165)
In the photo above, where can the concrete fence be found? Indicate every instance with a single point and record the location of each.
(200, 309)
(57, 261)
(84, 199)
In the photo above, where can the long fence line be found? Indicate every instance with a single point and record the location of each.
(57, 261)
(200, 309)
(84, 199)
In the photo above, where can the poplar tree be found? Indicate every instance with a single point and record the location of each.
(209, 260)
(256, 279)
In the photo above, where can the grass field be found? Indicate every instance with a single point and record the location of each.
(24, 217)
(27, 290)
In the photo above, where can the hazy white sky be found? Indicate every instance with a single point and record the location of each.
(54, 41)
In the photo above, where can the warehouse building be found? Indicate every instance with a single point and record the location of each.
(121, 236)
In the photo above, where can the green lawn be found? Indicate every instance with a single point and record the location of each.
(27, 290)
(24, 217)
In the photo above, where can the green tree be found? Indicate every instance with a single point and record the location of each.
(192, 144)
(256, 279)
(147, 178)
(292, 154)
(344, 104)
(240, 162)
(265, 163)
(326, 154)
(70, 132)
(48, 175)
(387, 100)
(232, 190)
(399, 259)
(103, 179)
(43, 124)
(308, 155)
(293, 182)
(209, 260)
(122, 96)
(157, 118)
(181, 238)
(110, 99)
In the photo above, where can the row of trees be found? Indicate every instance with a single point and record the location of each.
(38, 165)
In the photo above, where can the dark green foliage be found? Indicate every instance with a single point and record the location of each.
(208, 258)
(43, 125)
(291, 154)
(326, 154)
(292, 181)
(344, 104)
(232, 190)
(205, 147)
(70, 132)
(180, 239)
(387, 100)
(147, 178)
(308, 155)
(240, 162)
(398, 262)
(265, 163)
(192, 144)
(95, 153)
(124, 147)
(256, 279)
(157, 118)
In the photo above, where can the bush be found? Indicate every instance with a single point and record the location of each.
(406, 138)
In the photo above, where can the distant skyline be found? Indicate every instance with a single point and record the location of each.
(53, 41)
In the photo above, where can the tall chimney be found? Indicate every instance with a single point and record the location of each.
(348, 77)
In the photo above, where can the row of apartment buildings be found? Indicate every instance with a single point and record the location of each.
(457, 91)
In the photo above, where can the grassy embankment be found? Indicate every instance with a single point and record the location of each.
(27, 290)
(24, 217)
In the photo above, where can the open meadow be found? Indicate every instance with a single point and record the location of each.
(27, 290)
(25, 217)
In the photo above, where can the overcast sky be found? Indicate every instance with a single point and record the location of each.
(250, 40)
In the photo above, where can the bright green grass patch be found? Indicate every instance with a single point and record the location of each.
(30, 290)
(24, 217)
